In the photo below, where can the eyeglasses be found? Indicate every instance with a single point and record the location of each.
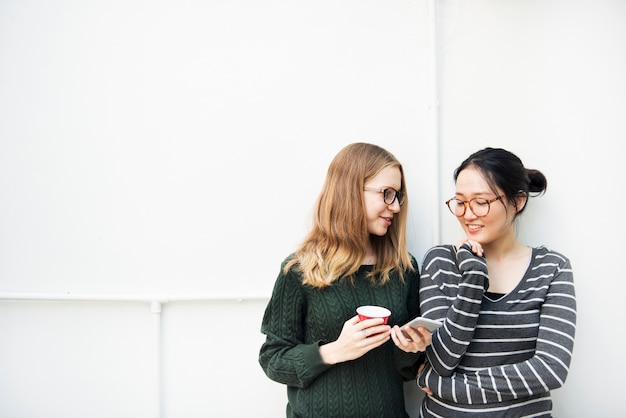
(480, 207)
(389, 195)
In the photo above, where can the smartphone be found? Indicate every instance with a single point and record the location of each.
(429, 324)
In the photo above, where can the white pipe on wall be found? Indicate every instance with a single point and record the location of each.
(148, 298)
(155, 300)
(155, 307)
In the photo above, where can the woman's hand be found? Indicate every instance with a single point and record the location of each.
(417, 340)
(474, 246)
(424, 389)
(470, 258)
(356, 338)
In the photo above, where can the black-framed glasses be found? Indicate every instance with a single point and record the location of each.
(479, 206)
(389, 195)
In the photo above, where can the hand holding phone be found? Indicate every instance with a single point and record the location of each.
(429, 324)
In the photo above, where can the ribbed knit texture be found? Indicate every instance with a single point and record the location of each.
(299, 318)
(496, 358)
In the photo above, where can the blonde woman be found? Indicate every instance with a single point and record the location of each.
(355, 254)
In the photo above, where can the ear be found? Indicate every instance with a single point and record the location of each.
(520, 200)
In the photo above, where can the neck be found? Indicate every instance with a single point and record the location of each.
(503, 248)
(370, 257)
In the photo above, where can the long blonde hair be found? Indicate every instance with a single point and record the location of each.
(336, 245)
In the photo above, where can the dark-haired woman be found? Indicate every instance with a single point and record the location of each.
(509, 310)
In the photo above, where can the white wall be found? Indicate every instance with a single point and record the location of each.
(176, 148)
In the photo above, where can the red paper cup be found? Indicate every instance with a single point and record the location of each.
(371, 311)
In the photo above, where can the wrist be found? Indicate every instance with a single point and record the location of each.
(328, 354)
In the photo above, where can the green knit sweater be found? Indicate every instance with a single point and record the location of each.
(299, 318)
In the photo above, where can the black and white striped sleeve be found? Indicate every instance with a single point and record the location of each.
(451, 289)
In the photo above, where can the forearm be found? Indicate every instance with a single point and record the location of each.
(496, 384)
(458, 310)
(296, 365)
(407, 364)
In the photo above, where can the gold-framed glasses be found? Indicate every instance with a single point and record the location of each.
(389, 195)
(478, 205)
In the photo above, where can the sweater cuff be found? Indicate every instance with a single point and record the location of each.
(408, 364)
(312, 357)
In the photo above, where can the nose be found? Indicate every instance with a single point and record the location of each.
(469, 214)
(395, 206)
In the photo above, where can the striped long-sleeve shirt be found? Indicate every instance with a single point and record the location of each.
(496, 358)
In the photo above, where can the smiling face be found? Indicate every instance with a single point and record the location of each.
(379, 215)
(498, 223)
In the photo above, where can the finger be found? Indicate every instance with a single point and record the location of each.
(367, 323)
(396, 335)
(414, 334)
(376, 341)
(379, 332)
(403, 337)
(404, 343)
(427, 339)
(421, 338)
(427, 391)
(377, 329)
(427, 336)
(476, 248)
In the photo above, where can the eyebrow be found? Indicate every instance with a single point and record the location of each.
(385, 187)
(479, 194)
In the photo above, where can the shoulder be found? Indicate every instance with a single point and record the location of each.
(553, 269)
(551, 264)
(544, 254)
(411, 272)
(291, 257)
(290, 276)
(439, 254)
(413, 261)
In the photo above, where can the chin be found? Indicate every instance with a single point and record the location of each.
(380, 233)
